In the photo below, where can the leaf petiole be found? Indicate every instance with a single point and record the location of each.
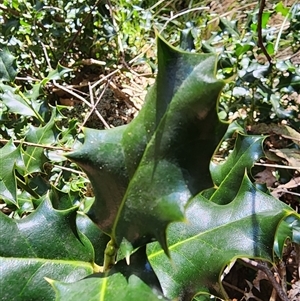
(110, 255)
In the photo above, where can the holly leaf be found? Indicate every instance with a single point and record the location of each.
(57, 73)
(8, 66)
(16, 104)
(136, 281)
(98, 239)
(119, 289)
(34, 156)
(143, 174)
(227, 176)
(44, 244)
(212, 237)
(288, 228)
(11, 159)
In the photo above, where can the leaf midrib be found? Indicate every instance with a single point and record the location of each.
(47, 260)
(187, 240)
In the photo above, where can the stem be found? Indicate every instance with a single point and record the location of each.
(276, 166)
(259, 31)
(109, 255)
(36, 145)
(263, 267)
(181, 14)
(239, 290)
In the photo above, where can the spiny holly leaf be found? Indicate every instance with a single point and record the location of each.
(46, 233)
(228, 175)
(34, 156)
(140, 267)
(213, 236)
(94, 234)
(8, 67)
(24, 279)
(10, 160)
(44, 244)
(18, 104)
(143, 174)
(58, 73)
(116, 287)
(289, 228)
(136, 281)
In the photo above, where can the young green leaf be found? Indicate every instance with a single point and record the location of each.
(280, 8)
(265, 19)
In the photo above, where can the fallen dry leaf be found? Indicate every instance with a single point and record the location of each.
(293, 183)
(266, 177)
(292, 156)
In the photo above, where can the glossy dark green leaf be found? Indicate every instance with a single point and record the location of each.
(94, 289)
(23, 280)
(212, 237)
(25, 203)
(94, 234)
(139, 266)
(143, 174)
(44, 244)
(227, 176)
(10, 159)
(289, 228)
(136, 281)
(8, 66)
(187, 38)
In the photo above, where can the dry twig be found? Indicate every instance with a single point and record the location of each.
(260, 265)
